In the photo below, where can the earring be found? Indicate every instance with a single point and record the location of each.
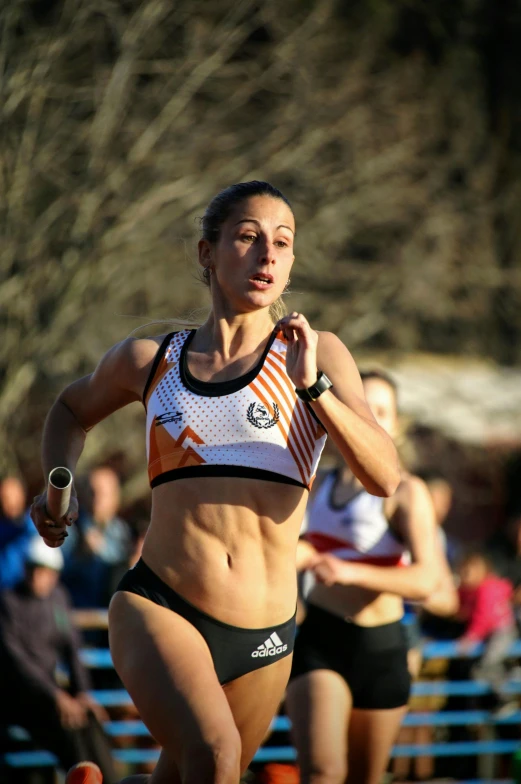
(207, 272)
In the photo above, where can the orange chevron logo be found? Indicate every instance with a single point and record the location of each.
(188, 433)
(190, 457)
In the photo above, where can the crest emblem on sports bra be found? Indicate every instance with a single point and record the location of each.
(259, 416)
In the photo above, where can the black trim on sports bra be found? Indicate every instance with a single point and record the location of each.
(155, 364)
(309, 408)
(218, 388)
(246, 472)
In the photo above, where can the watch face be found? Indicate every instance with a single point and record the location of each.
(312, 393)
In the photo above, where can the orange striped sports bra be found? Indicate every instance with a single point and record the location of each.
(253, 426)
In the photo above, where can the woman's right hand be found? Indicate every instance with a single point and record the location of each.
(53, 532)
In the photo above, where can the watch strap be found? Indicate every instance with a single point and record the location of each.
(313, 392)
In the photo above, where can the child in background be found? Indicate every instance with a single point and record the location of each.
(486, 609)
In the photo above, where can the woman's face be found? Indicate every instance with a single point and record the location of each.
(381, 399)
(252, 259)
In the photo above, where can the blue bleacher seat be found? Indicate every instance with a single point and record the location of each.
(101, 659)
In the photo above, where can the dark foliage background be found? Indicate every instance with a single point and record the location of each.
(393, 126)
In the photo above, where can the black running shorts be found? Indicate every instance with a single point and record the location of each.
(235, 651)
(371, 659)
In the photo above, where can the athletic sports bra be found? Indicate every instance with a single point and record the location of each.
(253, 426)
(355, 531)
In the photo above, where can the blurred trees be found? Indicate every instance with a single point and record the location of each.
(393, 127)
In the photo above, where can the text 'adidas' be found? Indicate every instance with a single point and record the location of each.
(270, 647)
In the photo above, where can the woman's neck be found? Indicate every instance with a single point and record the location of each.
(234, 334)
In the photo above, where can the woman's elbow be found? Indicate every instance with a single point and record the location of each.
(391, 476)
(425, 586)
(387, 485)
(391, 486)
(451, 604)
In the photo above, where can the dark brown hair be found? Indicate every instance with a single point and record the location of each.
(221, 206)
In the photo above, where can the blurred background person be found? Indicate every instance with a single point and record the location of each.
(16, 530)
(350, 682)
(487, 614)
(107, 535)
(439, 608)
(442, 496)
(504, 552)
(98, 543)
(443, 602)
(36, 634)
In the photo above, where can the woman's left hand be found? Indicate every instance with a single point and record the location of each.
(301, 357)
(331, 570)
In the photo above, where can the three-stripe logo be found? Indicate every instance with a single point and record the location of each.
(270, 647)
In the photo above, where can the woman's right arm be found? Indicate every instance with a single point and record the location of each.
(307, 556)
(118, 380)
(415, 582)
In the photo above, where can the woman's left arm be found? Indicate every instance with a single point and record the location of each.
(418, 528)
(444, 600)
(367, 449)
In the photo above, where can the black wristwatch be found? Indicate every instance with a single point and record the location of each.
(312, 393)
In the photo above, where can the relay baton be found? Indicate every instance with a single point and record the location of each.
(59, 492)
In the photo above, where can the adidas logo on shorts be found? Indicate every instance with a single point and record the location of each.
(270, 647)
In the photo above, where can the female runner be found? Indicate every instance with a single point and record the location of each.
(202, 628)
(349, 682)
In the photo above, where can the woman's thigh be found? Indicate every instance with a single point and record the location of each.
(167, 668)
(371, 737)
(319, 705)
(254, 699)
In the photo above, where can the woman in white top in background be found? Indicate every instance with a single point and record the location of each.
(350, 683)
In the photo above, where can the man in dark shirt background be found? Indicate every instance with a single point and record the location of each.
(37, 632)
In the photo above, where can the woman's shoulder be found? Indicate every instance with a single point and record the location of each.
(335, 359)
(412, 494)
(412, 486)
(127, 364)
(330, 345)
(138, 352)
